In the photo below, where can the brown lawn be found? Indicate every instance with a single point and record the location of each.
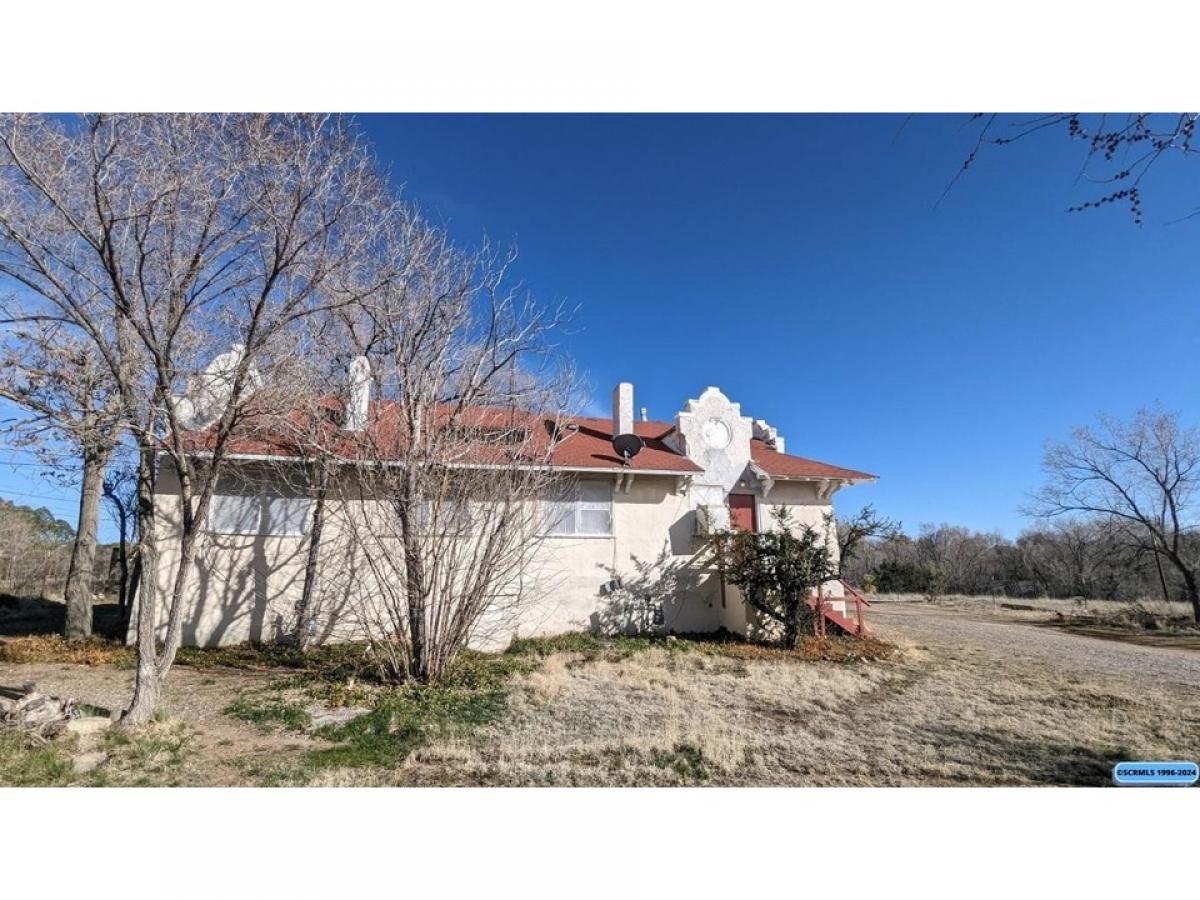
(965, 700)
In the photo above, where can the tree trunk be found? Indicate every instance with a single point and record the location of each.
(418, 666)
(131, 590)
(303, 608)
(1193, 591)
(80, 574)
(1162, 578)
(123, 566)
(147, 685)
(791, 625)
(188, 545)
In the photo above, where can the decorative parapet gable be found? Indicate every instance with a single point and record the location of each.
(768, 435)
(712, 432)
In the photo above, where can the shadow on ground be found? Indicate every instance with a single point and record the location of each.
(1013, 758)
(1178, 640)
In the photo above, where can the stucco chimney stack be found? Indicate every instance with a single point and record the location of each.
(645, 416)
(359, 401)
(623, 408)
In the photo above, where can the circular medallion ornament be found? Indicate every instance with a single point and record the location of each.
(717, 434)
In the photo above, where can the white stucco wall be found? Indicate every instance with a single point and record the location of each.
(247, 587)
(652, 542)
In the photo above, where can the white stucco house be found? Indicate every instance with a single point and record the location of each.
(709, 466)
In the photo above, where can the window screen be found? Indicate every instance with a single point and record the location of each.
(258, 515)
(286, 516)
(233, 514)
(558, 514)
(584, 508)
(595, 508)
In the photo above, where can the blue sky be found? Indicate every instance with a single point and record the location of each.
(804, 265)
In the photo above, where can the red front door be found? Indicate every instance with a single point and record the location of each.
(741, 512)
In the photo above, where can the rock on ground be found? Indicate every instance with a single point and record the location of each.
(89, 762)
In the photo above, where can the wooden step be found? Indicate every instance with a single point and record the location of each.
(845, 623)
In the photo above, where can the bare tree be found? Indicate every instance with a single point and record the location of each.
(442, 505)
(68, 399)
(854, 531)
(1118, 150)
(1141, 476)
(305, 433)
(1084, 557)
(162, 239)
(960, 559)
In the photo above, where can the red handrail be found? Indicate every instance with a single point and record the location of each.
(820, 601)
(859, 602)
(854, 592)
(817, 603)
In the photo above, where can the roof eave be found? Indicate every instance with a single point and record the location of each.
(273, 457)
(848, 479)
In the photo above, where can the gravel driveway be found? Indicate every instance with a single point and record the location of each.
(977, 634)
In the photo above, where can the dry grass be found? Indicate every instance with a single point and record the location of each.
(44, 648)
(1148, 621)
(1033, 607)
(574, 712)
(931, 717)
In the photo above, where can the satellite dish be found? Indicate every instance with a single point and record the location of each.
(627, 446)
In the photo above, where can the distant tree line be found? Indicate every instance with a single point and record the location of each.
(35, 553)
(1063, 559)
(1121, 521)
(35, 549)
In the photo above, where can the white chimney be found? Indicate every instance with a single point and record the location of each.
(623, 408)
(359, 402)
(645, 417)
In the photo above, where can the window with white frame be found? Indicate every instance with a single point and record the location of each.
(268, 515)
(582, 508)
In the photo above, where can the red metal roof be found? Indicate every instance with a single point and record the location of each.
(590, 447)
(783, 465)
(573, 443)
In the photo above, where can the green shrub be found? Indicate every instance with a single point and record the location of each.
(404, 719)
(336, 662)
(901, 577)
(685, 760)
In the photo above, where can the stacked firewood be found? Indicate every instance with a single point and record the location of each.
(38, 715)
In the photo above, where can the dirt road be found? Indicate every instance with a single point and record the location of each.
(975, 632)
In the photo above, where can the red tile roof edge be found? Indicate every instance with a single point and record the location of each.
(588, 446)
(785, 465)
